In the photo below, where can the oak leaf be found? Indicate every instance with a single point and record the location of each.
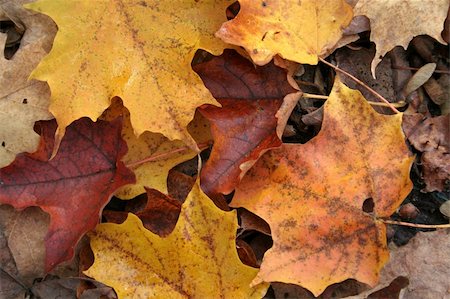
(312, 195)
(411, 18)
(23, 102)
(300, 31)
(167, 153)
(249, 122)
(198, 259)
(74, 186)
(118, 48)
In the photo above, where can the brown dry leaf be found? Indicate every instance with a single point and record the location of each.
(140, 51)
(23, 102)
(424, 261)
(431, 136)
(153, 174)
(312, 195)
(300, 31)
(395, 23)
(25, 232)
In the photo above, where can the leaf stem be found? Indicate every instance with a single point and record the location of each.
(164, 155)
(398, 67)
(322, 97)
(362, 84)
(414, 224)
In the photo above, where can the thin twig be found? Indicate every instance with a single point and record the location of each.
(361, 83)
(414, 224)
(398, 67)
(162, 156)
(322, 97)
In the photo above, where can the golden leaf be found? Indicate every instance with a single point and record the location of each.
(197, 260)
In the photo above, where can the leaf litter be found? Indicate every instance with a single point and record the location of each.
(423, 99)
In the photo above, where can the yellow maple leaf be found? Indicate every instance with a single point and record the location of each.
(300, 31)
(411, 18)
(197, 260)
(153, 174)
(139, 50)
(312, 196)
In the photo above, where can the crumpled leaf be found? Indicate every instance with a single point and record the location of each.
(23, 102)
(424, 261)
(312, 195)
(73, 187)
(411, 18)
(153, 174)
(300, 31)
(431, 137)
(250, 121)
(198, 259)
(119, 49)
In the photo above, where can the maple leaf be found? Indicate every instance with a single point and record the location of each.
(117, 48)
(246, 125)
(411, 18)
(312, 195)
(153, 173)
(300, 31)
(198, 259)
(74, 186)
(23, 102)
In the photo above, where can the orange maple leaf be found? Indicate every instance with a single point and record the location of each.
(312, 196)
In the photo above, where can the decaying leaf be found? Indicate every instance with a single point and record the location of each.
(300, 31)
(23, 102)
(152, 174)
(420, 77)
(198, 259)
(256, 103)
(118, 49)
(312, 196)
(411, 18)
(431, 137)
(74, 186)
(424, 261)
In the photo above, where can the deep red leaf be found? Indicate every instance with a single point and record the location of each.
(74, 186)
(245, 126)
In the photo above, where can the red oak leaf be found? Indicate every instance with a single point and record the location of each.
(74, 186)
(250, 120)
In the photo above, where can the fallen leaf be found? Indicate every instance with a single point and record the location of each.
(357, 63)
(25, 232)
(411, 18)
(300, 31)
(431, 136)
(9, 287)
(23, 102)
(420, 77)
(198, 259)
(166, 153)
(73, 187)
(247, 124)
(126, 54)
(424, 261)
(312, 196)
